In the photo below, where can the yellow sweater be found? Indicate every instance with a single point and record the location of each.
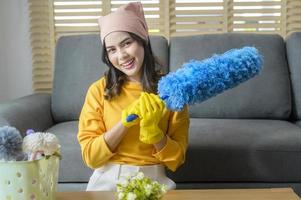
(99, 115)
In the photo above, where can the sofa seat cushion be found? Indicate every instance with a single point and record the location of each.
(72, 168)
(238, 150)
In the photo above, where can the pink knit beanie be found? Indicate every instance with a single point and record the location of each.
(129, 18)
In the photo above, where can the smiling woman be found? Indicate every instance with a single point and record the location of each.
(110, 144)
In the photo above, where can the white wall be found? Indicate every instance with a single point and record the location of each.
(15, 50)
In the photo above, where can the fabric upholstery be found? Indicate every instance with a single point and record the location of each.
(29, 112)
(219, 150)
(293, 48)
(72, 168)
(230, 150)
(78, 64)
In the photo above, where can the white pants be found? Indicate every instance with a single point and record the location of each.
(106, 177)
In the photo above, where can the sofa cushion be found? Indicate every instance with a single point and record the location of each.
(78, 64)
(265, 96)
(229, 150)
(219, 150)
(293, 48)
(72, 168)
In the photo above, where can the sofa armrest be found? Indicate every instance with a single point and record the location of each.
(33, 111)
(293, 49)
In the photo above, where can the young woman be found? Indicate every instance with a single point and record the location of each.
(109, 143)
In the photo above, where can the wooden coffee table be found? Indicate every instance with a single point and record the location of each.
(212, 194)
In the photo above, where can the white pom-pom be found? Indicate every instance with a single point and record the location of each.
(33, 142)
(46, 143)
(50, 144)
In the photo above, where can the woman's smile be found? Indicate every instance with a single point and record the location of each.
(129, 65)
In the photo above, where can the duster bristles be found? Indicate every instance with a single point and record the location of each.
(197, 81)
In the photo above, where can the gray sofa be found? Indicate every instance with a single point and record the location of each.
(247, 137)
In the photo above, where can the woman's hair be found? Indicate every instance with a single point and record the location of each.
(149, 76)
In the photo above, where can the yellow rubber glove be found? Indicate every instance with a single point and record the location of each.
(151, 112)
(131, 109)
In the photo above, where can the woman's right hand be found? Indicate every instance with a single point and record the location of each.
(131, 109)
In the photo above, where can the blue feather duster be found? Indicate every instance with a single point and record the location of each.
(10, 144)
(197, 81)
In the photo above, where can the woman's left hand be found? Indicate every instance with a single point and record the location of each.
(151, 112)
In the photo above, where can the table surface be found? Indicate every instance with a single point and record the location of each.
(202, 194)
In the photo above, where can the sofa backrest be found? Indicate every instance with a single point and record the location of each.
(293, 48)
(78, 64)
(265, 96)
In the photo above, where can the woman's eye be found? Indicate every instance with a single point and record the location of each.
(110, 51)
(127, 43)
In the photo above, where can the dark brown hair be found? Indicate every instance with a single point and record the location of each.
(149, 76)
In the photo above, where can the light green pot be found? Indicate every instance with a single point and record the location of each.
(29, 180)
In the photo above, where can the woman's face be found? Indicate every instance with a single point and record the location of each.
(125, 53)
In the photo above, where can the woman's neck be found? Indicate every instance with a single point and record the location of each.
(131, 79)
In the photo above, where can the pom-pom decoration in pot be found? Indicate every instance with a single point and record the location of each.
(36, 144)
(11, 144)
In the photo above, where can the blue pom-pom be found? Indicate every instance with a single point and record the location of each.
(10, 144)
(197, 81)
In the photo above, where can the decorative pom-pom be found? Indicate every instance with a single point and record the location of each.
(40, 142)
(10, 144)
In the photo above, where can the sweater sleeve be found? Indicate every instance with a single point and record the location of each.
(94, 149)
(173, 153)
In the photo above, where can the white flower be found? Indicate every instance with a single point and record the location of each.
(131, 196)
(39, 141)
(148, 189)
(156, 183)
(164, 188)
(139, 176)
(139, 186)
(120, 195)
